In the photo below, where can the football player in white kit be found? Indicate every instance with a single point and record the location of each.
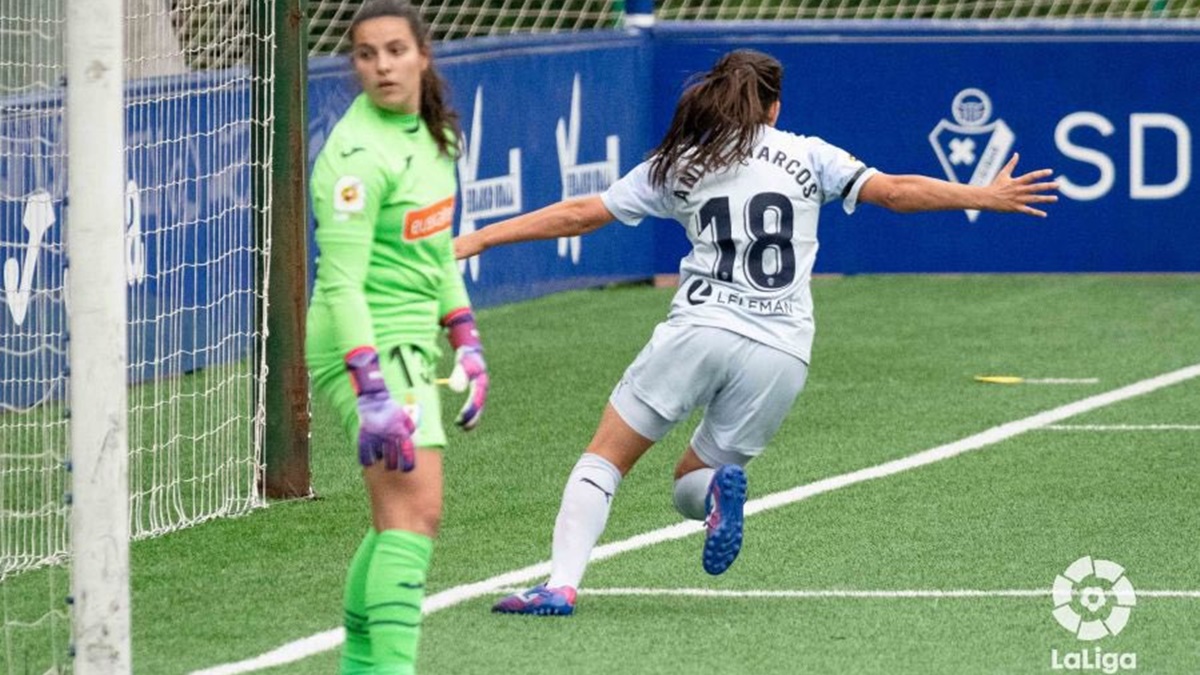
(738, 336)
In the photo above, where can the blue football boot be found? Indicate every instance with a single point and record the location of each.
(724, 502)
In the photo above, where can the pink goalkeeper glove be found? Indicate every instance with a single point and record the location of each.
(384, 429)
(470, 370)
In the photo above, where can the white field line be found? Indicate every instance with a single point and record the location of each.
(1063, 380)
(848, 593)
(1123, 427)
(330, 639)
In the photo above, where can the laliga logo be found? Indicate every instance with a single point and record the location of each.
(1106, 578)
(1092, 600)
(579, 180)
(487, 197)
(969, 142)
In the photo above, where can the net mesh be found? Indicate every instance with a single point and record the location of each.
(926, 9)
(329, 19)
(33, 346)
(193, 253)
(195, 244)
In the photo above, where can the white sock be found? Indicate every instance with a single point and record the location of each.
(690, 492)
(581, 518)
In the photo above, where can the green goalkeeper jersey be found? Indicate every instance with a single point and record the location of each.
(383, 197)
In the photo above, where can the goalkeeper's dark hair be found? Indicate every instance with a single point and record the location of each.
(440, 118)
(718, 116)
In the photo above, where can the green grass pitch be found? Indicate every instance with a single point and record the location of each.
(891, 376)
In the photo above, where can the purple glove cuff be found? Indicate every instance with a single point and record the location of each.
(365, 376)
(461, 330)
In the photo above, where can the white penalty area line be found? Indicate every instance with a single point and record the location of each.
(331, 639)
(1123, 427)
(848, 593)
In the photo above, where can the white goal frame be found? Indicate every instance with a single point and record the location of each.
(97, 323)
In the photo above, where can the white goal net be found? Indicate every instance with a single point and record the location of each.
(328, 19)
(195, 250)
(926, 9)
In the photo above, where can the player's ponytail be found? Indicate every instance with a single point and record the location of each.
(439, 117)
(717, 118)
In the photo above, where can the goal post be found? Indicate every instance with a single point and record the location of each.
(99, 456)
(282, 78)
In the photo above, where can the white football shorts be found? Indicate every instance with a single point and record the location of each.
(745, 387)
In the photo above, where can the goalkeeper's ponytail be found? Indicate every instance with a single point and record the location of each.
(437, 113)
(718, 116)
(439, 117)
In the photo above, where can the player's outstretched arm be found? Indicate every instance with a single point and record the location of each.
(567, 218)
(913, 193)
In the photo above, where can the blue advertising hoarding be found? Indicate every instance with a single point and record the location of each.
(544, 118)
(1109, 107)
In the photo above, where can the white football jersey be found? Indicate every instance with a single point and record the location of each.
(753, 228)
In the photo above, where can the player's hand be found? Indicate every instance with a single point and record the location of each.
(468, 245)
(470, 370)
(385, 432)
(470, 375)
(1014, 195)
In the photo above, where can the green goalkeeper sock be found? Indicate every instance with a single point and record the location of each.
(356, 652)
(395, 588)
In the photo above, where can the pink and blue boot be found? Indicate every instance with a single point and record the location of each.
(540, 601)
(724, 502)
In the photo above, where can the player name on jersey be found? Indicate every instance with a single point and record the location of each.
(793, 167)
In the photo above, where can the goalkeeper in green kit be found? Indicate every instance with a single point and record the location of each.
(387, 288)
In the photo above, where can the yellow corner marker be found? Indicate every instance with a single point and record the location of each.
(999, 379)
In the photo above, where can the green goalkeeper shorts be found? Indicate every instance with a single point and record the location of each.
(409, 375)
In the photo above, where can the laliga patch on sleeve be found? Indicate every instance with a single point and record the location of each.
(349, 195)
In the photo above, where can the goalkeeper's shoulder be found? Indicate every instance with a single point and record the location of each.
(357, 139)
(350, 153)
